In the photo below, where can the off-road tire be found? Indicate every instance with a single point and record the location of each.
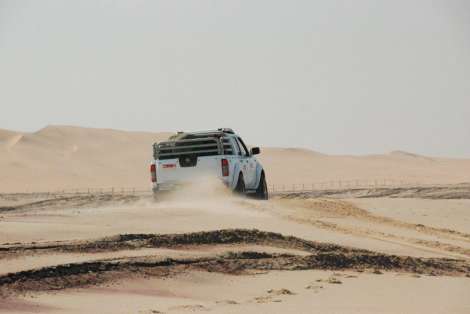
(240, 188)
(262, 190)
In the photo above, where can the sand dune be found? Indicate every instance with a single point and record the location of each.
(64, 157)
(59, 157)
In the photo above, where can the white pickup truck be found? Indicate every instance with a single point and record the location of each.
(189, 157)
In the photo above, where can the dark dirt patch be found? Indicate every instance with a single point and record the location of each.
(323, 256)
(137, 241)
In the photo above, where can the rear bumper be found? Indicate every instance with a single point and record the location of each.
(166, 187)
(171, 186)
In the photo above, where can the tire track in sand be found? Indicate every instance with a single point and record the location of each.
(311, 211)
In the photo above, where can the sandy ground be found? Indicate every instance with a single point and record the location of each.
(262, 293)
(436, 213)
(344, 258)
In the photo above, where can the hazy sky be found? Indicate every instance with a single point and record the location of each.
(349, 77)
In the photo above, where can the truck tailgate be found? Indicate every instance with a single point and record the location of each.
(170, 170)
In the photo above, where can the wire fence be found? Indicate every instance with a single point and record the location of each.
(272, 188)
(87, 191)
(346, 185)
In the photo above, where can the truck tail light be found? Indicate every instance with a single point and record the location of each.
(225, 168)
(153, 172)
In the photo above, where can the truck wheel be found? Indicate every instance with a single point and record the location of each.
(240, 188)
(262, 190)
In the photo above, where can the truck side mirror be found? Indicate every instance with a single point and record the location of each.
(255, 151)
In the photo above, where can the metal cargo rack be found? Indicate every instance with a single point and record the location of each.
(202, 146)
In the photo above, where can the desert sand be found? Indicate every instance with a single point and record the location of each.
(64, 157)
(369, 250)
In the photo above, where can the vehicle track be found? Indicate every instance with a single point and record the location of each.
(74, 201)
(312, 211)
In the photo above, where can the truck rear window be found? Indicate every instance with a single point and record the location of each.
(194, 147)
